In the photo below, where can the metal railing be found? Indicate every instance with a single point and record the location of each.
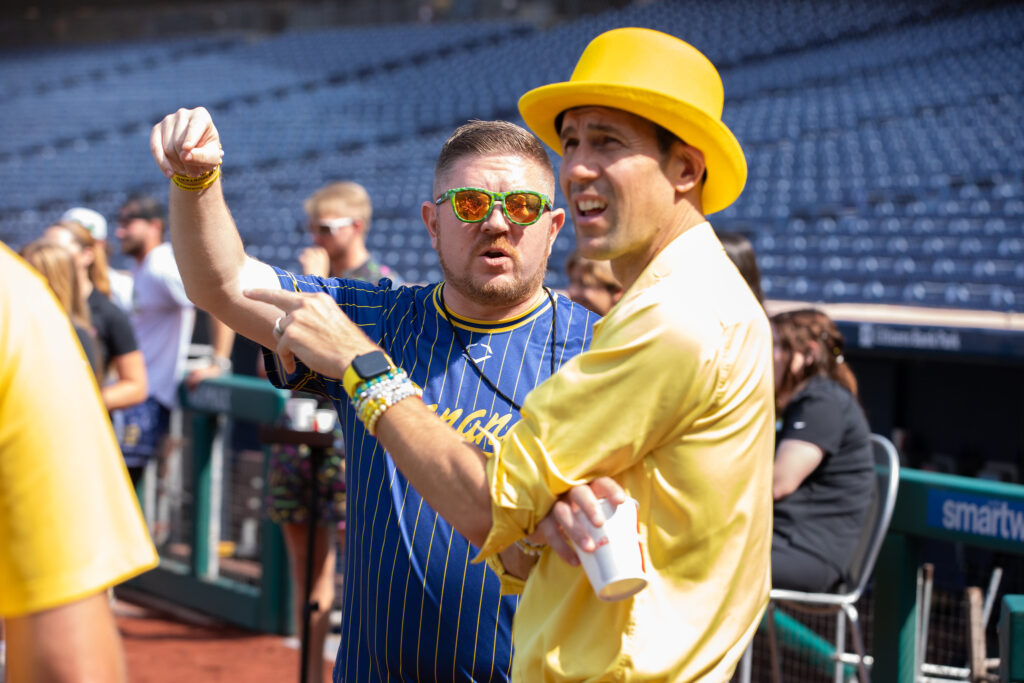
(193, 578)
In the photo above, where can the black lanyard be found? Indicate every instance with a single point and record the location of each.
(479, 372)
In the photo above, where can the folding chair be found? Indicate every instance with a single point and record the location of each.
(843, 603)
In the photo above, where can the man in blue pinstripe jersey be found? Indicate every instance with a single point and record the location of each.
(415, 607)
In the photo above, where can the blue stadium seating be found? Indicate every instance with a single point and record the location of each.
(883, 139)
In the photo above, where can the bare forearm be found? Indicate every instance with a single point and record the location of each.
(70, 644)
(449, 472)
(516, 562)
(207, 246)
(122, 393)
(795, 460)
(211, 259)
(131, 385)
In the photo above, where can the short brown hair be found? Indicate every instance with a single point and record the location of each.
(485, 138)
(813, 334)
(145, 208)
(353, 195)
(141, 206)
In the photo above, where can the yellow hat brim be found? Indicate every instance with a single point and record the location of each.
(723, 156)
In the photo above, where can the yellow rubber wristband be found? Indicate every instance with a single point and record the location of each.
(351, 379)
(198, 183)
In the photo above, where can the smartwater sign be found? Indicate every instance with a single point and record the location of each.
(976, 515)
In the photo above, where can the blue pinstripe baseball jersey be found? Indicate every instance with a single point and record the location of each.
(415, 608)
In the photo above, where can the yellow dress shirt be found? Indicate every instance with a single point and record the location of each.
(69, 522)
(674, 400)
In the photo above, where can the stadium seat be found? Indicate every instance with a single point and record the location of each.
(865, 135)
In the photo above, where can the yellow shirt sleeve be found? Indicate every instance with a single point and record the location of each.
(69, 522)
(600, 414)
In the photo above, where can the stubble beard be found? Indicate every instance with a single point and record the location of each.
(493, 292)
(132, 249)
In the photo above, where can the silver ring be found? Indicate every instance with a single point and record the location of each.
(278, 331)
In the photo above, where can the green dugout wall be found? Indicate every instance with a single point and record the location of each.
(196, 584)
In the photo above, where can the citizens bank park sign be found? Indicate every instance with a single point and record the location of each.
(949, 341)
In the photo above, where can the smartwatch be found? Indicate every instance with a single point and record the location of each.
(365, 367)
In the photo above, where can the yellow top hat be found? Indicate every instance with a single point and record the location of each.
(664, 80)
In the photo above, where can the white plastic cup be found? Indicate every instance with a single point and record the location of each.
(324, 420)
(616, 567)
(301, 413)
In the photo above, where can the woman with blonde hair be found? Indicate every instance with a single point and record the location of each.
(823, 479)
(119, 354)
(57, 265)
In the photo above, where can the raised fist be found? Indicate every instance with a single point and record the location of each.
(186, 142)
(315, 261)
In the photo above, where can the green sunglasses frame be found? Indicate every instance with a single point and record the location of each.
(546, 203)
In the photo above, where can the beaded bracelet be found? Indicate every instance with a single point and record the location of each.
(371, 398)
(405, 391)
(367, 392)
(373, 393)
(198, 183)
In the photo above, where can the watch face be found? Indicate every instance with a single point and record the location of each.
(370, 365)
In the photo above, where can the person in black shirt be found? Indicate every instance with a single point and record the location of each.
(823, 480)
(118, 351)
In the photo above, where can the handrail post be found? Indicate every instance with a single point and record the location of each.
(275, 578)
(895, 609)
(204, 427)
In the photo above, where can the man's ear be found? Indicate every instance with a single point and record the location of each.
(557, 221)
(685, 166)
(428, 211)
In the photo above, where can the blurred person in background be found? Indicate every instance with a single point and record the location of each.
(339, 220)
(290, 482)
(592, 283)
(57, 265)
(163, 318)
(741, 252)
(69, 525)
(823, 479)
(118, 283)
(119, 355)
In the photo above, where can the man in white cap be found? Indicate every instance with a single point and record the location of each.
(96, 224)
(673, 402)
